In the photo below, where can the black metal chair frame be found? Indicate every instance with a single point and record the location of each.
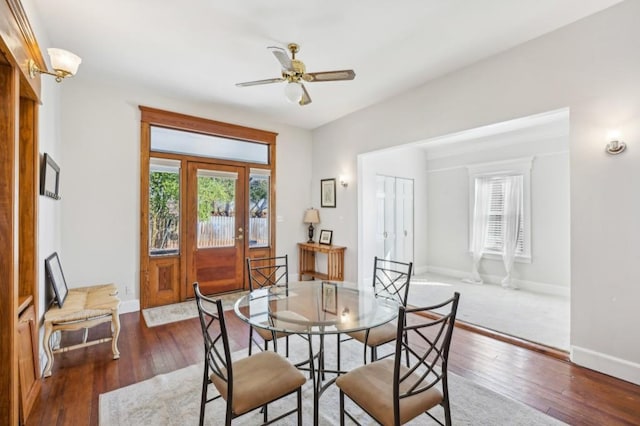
(265, 272)
(220, 364)
(391, 280)
(425, 362)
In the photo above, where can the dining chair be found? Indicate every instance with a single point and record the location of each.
(391, 280)
(392, 393)
(264, 272)
(248, 383)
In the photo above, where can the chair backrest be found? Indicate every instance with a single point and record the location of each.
(427, 341)
(268, 271)
(216, 342)
(391, 279)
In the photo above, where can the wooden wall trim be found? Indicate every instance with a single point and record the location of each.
(198, 124)
(9, 113)
(20, 45)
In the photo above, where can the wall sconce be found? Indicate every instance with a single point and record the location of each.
(615, 146)
(344, 181)
(311, 216)
(65, 64)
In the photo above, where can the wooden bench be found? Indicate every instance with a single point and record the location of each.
(83, 308)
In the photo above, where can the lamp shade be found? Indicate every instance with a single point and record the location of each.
(293, 92)
(63, 60)
(311, 216)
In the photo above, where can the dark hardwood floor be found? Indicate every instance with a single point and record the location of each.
(572, 394)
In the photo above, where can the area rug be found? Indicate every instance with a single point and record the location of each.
(174, 399)
(175, 312)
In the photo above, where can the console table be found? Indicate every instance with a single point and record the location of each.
(307, 261)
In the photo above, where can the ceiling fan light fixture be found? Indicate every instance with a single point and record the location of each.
(293, 91)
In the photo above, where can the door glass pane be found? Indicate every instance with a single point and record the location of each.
(164, 207)
(183, 142)
(259, 207)
(216, 209)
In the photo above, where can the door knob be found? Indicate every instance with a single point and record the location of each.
(240, 230)
(239, 237)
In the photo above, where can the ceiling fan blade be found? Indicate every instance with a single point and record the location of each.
(329, 76)
(257, 82)
(306, 99)
(282, 57)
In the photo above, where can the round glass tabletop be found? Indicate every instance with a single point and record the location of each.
(315, 307)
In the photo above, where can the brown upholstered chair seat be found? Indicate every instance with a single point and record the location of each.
(258, 380)
(378, 335)
(371, 387)
(83, 308)
(287, 319)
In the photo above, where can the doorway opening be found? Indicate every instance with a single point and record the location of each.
(442, 170)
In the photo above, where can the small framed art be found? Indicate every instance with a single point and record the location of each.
(325, 237)
(328, 193)
(56, 278)
(329, 297)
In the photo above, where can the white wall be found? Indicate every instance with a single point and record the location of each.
(100, 179)
(591, 67)
(449, 210)
(406, 162)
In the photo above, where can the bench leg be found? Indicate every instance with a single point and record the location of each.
(48, 329)
(115, 327)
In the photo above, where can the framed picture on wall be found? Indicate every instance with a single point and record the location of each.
(328, 193)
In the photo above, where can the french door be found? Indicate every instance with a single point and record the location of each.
(215, 213)
(207, 199)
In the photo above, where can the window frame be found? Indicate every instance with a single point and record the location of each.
(519, 166)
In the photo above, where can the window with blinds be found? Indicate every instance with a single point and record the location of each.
(495, 216)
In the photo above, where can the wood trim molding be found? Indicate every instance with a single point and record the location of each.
(212, 127)
(19, 44)
(27, 32)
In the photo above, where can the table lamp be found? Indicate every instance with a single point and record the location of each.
(311, 216)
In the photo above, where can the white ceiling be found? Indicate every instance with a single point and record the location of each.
(197, 50)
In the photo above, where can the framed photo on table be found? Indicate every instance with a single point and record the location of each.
(328, 193)
(329, 297)
(56, 278)
(325, 237)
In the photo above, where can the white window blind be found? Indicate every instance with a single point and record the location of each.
(496, 216)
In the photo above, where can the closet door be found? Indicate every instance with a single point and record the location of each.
(395, 215)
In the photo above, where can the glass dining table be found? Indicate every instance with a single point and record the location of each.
(316, 309)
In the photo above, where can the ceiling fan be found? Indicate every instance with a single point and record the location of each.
(294, 73)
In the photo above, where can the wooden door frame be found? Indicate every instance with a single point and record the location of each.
(172, 120)
(19, 160)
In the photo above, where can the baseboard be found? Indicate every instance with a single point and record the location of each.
(132, 305)
(607, 364)
(533, 286)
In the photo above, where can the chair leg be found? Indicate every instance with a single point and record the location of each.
(115, 329)
(229, 414)
(48, 329)
(203, 398)
(250, 339)
(341, 408)
(338, 356)
(299, 405)
(374, 353)
(287, 346)
(264, 414)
